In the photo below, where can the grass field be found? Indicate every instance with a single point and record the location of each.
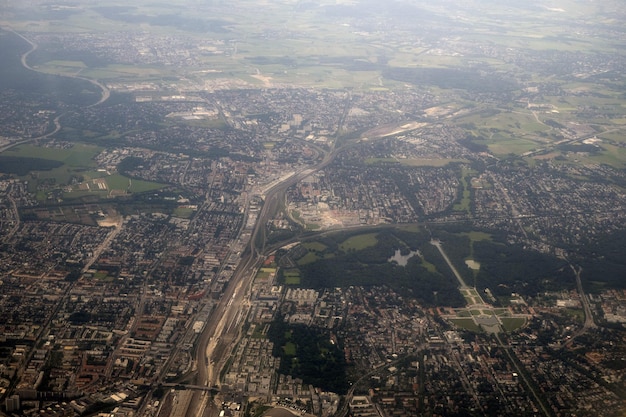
(77, 160)
(313, 226)
(125, 72)
(117, 183)
(576, 313)
(309, 258)
(264, 274)
(612, 155)
(511, 145)
(259, 332)
(512, 323)
(183, 212)
(464, 204)
(67, 68)
(467, 324)
(429, 266)
(79, 155)
(315, 246)
(290, 349)
(478, 236)
(78, 164)
(415, 162)
(359, 242)
(292, 277)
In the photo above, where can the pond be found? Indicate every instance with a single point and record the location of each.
(400, 259)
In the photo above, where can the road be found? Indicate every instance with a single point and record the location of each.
(345, 407)
(106, 93)
(15, 218)
(57, 127)
(589, 323)
(522, 375)
(104, 96)
(515, 215)
(437, 244)
(104, 245)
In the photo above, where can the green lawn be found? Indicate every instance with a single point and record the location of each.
(478, 236)
(308, 259)
(512, 323)
(315, 246)
(183, 212)
(290, 349)
(120, 182)
(262, 275)
(292, 277)
(467, 324)
(359, 242)
(79, 155)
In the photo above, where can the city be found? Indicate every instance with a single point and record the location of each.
(216, 245)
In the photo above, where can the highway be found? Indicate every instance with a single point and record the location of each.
(105, 92)
(104, 95)
(588, 323)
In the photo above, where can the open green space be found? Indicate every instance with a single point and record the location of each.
(618, 136)
(134, 186)
(472, 292)
(465, 201)
(476, 236)
(257, 331)
(262, 275)
(359, 242)
(125, 72)
(511, 324)
(314, 246)
(295, 214)
(312, 226)
(612, 155)
(466, 323)
(315, 251)
(363, 259)
(510, 145)
(430, 267)
(67, 68)
(337, 260)
(290, 349)
(103, 276)
(77, 155)
(53, 168)
(118, 182)
(183, 212)
(577, 314)
(291, 276)
(415, 162)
